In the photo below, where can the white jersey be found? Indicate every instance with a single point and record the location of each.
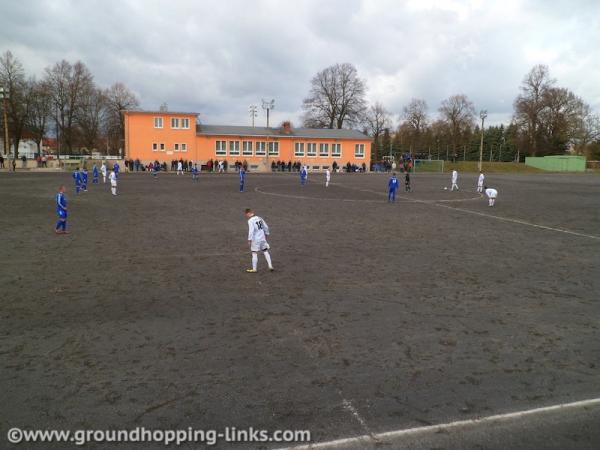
(103, 170)
(327, 175)
(113, 178)
(179, 166)
(480, 181)
(454, 176)
(491, 193)
(258, 229)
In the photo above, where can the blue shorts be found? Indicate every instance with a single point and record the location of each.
(62, 214)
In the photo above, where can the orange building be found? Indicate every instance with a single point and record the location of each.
(165, 136)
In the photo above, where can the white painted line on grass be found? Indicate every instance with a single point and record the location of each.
(445, 426)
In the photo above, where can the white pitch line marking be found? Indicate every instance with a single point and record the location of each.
(446, 426)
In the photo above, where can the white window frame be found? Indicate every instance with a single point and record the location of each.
(162, 147)
(359, 150)
(311, 149)
(324, 150)
(158, 122)
(221, 148)
(175, 147)
(175, 123)
(154, 146)
(299, 149)
(184, 147)
(185, 123)
(339, 148)
(273, 148)
(247, 148)
(261, 148)
(234, 148)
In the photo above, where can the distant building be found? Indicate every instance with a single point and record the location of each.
(165, 135)
(27, 147)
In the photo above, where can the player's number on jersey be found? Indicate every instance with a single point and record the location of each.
(259, 225)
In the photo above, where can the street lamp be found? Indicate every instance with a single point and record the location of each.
(4, 94)
(483, 115)
(268, 106)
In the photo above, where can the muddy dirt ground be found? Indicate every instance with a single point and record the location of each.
(378, 317)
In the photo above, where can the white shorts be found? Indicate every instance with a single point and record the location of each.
(259, 245)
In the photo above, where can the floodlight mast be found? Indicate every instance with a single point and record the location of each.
(268, 105)
(482, 115)
(253, 111)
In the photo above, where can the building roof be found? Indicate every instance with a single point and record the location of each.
(235, 130)
(164, 113)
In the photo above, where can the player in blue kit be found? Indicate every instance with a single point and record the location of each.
(195, 173)
(77, 178)
(116, 169)
(242, 178)
(61, 210)
(94, 174)
(392, 188)
(303, 176)
(84, 179)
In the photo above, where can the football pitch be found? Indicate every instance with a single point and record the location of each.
(433, 310)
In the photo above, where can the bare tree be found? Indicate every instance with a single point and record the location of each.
(90, 116)
(12, 78)
(68, 83)
(529, 104)
(459, 114)
(40, 111)
(377, 119)
(118, 99)
(415, 122)
(336, 98)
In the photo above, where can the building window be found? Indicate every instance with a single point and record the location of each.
(324, 150)
(154, 147)
(359, 150)
(176, 148)
(162, 146)
(273, 148)
(185, 123)
(299, 149)
(234, 148)
(158, 122)
(174, 122)
(336, 150)
(220, 148)
(184, 147)
(261, 148)
(311, 149)
(247, 148)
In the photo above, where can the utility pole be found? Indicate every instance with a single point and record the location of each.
(268, 106)
(483, 115)
(253, 111)
(4, 93)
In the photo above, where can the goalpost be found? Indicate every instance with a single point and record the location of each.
(428, 165)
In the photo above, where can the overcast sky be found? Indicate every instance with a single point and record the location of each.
(218, 57)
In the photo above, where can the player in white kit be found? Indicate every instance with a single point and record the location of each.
(258, 230)
(113, 182)
(491, 194)
(454, 180)
(327, 177)
(480, 181)
(103, 170)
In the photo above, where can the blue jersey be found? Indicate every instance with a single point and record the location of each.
(77, 177)
(393, 184)
(303, 173)
(95, 171)
(242, 175)
(61, 204)
(84, 177)
(195, 170)
(116, 168)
